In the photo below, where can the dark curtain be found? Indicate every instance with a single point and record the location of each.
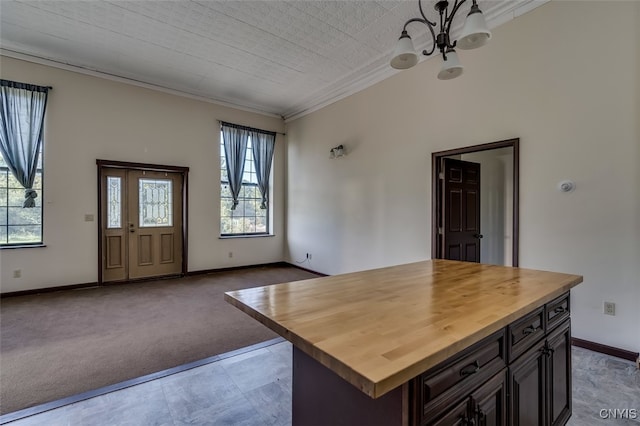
(235, 140)
(21, 126)
(262, 145)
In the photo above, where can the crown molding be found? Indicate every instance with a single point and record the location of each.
(354, 82)
(381, 70)
(15, 53)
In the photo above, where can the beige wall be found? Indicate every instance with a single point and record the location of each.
(550, 78)
(91, 118)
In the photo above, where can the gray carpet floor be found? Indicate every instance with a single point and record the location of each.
(54, 345)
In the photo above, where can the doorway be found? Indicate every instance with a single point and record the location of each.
(142, 221)
(495, 240)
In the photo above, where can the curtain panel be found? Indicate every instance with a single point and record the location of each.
(262, 146)
(22, 109)
(235, 138)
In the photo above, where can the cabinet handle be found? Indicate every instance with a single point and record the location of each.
(559, 310)
(530, 330)
(547, 350)
(481, 416)
(470, 369)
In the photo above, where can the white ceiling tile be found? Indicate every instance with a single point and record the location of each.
(272, 55)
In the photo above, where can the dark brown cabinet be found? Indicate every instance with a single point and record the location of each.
(525, 332)
(528, 385)
(559, 375)
(457, 416)
(487, 406)
(490, 402)
(463, 388)
(518, 376)
(540, 381)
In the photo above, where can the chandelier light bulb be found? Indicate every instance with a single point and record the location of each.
(404, 55)
(475, 32)
(451, 67)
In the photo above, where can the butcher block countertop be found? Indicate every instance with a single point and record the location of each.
(378, 329)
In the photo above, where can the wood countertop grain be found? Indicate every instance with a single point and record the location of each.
(378, 329)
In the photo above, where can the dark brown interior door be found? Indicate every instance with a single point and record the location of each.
(461, 210)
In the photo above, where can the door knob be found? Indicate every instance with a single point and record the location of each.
(477, 236)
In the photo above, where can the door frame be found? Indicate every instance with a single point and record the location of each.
(184, 171)
(436, 204)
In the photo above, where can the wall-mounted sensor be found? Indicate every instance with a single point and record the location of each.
(566, 186)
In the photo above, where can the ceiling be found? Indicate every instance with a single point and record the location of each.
(278, 57)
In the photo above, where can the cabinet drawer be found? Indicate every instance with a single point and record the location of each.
(525, 332)
(557, 311)
(447, 382)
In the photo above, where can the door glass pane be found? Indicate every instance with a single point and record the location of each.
(156, 202)
(114, 202)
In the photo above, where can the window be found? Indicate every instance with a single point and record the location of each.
(19, 226)
(22, 109)
(247, 218)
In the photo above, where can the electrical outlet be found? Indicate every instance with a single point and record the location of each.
(609, 308)
(88, 217)
(17, 273)
(230, 254)
(309, 256)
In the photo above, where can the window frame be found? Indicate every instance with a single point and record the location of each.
(245, 185)
(5, 171)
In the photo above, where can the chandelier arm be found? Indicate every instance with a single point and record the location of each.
(449, 19)
(429, 25)
(422, 21)
(433, 46)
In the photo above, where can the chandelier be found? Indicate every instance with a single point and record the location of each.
(474, 34)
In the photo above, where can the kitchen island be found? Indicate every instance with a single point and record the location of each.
(432, 342)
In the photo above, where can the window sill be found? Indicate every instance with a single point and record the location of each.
(229, 237)
(22, 246)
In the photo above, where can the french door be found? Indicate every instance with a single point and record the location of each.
(141, 222)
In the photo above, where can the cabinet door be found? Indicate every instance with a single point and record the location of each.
(489, 402)
(459, 415)
(528, 385)
(559, 375)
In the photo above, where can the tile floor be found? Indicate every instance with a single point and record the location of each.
(254, 388)
(602, 382)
